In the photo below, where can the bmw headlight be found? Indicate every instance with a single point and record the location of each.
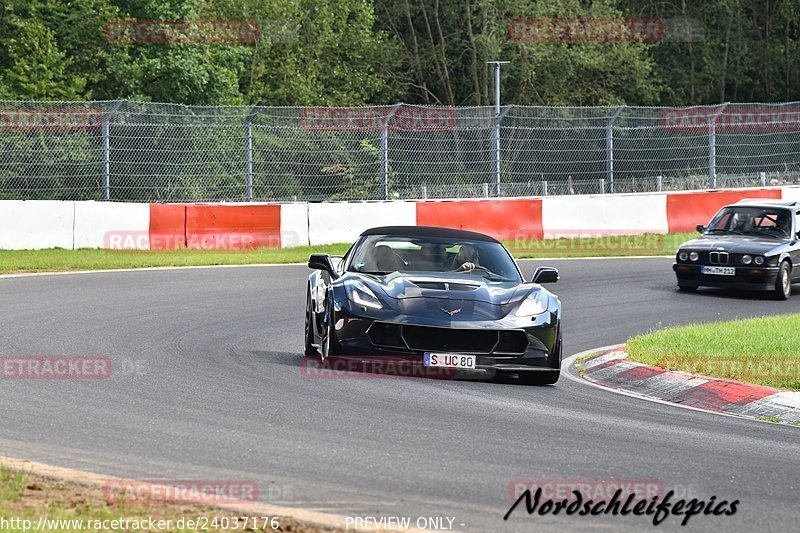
(359, 293)
(535, 304)
(694, 256)
(759, 260)
(746, 259)
(683, 256)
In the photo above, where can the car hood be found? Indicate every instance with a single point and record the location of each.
(745, 244)
(448, 297)
(448, 286)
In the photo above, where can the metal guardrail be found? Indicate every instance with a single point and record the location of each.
(150, 152)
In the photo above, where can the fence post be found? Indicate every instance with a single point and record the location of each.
(544, 187)
(106, 133)
(248, 164)
(500, 114)
(385, 150)
(762, 178)
(424, 192)
(602, 185)
(712, 146)
(610, 148)
(659, 182)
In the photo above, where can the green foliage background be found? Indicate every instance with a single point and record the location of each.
(350, 52)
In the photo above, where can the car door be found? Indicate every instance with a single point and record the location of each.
(794, 250)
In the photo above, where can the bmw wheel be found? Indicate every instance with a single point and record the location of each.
(783, 284)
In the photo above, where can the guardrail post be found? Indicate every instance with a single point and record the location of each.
(610, 148)
(248, 164)
(712, 146)
(106, 133)
(385, 150)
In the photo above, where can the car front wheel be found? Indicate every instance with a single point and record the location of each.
(783, 283)
(310, 351)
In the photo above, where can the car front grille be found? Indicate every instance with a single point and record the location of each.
(719, 258)
(433, 339)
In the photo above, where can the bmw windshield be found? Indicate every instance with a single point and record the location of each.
(759, 221)
(382, 254)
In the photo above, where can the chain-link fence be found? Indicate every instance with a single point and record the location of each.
(142, 152)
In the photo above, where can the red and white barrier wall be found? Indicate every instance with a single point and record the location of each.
(55, 224)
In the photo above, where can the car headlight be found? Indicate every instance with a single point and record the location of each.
(746, 259)
(759, 260)
(683, 256)
(359, 293)
(535, 304)
(694, 256)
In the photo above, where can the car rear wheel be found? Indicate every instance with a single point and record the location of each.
(539, 378)
(783, 283)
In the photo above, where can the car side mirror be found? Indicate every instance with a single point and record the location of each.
(322, 262)
(700, 228)
(545, 275)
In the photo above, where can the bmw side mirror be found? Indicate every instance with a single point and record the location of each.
(321, 262)
(700, 228)
(545, 275)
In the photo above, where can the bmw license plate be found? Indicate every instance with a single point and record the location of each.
(718, 271)
(449, 360)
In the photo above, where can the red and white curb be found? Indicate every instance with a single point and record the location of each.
(611, 369)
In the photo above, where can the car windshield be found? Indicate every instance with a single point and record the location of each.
(381, 254)
(752, 221)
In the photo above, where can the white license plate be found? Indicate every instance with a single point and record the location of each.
(718, 271)
(449, 360)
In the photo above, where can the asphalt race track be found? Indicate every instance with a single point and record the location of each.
(207, 384)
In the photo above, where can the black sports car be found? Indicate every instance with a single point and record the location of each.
(440, 297)
(751, 245)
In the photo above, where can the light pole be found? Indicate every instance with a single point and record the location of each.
(497, 118)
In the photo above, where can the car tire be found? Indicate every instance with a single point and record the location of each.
(539, 378)
(310, 351)
(687, 288)
(783, 283)
(329, 346)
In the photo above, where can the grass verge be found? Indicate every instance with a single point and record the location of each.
(763, 351)
(70, 507)
(18, 261)
(57, 259)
